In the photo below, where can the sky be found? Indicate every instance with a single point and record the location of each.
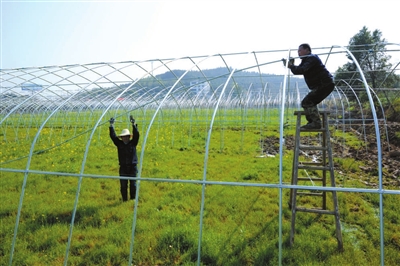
(49, 32)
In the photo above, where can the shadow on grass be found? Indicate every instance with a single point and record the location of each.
(85, 216)
(267, 236)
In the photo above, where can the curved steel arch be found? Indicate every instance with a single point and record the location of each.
(379, 146)
(144, 100)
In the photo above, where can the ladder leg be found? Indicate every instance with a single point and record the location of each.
(333, 184)
(337, 222)
(295, 160)
(293, 192)
(293, 218)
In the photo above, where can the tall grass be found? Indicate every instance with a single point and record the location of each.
(240, 223)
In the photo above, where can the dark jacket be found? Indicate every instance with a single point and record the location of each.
(315, 73)
(126, 152)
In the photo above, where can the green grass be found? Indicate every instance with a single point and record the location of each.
(240, 224)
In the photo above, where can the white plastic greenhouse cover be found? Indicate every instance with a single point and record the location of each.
(45, 95)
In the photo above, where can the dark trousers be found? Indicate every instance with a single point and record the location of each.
(129, 171)
(314, 97)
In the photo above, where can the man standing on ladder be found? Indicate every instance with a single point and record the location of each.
(318, 80)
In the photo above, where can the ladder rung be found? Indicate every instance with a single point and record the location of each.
(307, 167)
(312, 130)
(311, 163)
(313, 148)
(310, 179)
(302, 112)
(310, 194)
(321, 211)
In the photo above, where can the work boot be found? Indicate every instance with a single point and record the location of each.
(313, 118)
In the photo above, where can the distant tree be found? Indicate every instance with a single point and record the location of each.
(369, 49)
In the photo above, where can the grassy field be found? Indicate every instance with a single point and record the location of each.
(240, 223)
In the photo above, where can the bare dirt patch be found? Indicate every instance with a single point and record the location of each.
(368, 155)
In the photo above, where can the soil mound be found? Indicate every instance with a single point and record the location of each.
(390, 148)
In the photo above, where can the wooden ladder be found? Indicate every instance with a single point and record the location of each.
(325, 164)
